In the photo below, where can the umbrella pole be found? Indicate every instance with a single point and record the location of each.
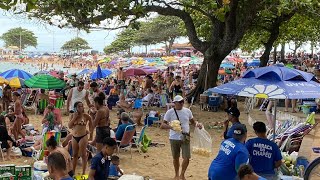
(274, 120)
(206, 81)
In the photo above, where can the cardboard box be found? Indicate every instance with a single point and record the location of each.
(23, 171)
(7, 168)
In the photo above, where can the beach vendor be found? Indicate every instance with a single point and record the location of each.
(233, 117)
(179, 140)
(231, 156)
(265, 155)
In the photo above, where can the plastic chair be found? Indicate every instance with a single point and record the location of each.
(126, 141)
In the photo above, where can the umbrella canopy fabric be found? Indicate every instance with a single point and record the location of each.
(3, 81)
(45, 82)
(230, 66)
(254, 63)
(104, 73)
(136, 72)
(41, 72)
(16, 82)
(273, 82)
(85, 71)
(16, 73)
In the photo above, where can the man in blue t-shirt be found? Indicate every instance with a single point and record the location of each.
(233, 117)
(100, 163)
(57, 167)
(265, 155)
(231, 156)
(125, 123)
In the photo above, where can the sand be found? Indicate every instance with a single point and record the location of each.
(157, 162)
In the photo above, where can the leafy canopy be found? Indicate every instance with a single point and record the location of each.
(75, 45)
(13, 37)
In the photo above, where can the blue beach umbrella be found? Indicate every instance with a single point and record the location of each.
(225, 65)
(16, 73)
(85, 71)
(100, 73)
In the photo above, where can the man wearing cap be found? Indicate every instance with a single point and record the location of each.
(265, 155)
(73, 81)
(179, 140)
(231, 156)
(233, 117)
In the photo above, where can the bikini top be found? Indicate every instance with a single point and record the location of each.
(81, 123)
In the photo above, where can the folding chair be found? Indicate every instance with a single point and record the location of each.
(138, 139)
(126, 141)
(38, 155)
(43, 103)
(33, 105)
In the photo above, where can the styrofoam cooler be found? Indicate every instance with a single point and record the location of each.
(312, 104)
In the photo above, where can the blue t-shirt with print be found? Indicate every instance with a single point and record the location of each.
(121, 129)
(231, 129)
(101, 165)
(231, 155)
(113, 170)
(263, 154)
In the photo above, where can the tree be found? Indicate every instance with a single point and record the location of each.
(19, 37)
(125, 41)
(214, 28)
(75, 45)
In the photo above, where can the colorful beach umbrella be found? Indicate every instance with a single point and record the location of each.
(85, 71)
(45, 82)
(16, 82)
(225, 65)
(3, 81)
(102, 73)
(15, 73)
(136, 72)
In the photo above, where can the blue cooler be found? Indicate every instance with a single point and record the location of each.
(311, 104)
(214, 102)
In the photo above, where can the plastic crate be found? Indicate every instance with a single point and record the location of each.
(214, 101)
(311, 104)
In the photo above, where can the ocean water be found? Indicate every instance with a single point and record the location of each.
(32, 68)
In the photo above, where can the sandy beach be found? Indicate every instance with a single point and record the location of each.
(157, 162)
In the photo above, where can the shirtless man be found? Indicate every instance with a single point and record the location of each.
(101, 121)
(120, 78)
(92, 111)
(16, 129)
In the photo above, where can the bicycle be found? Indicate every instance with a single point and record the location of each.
(313, 170)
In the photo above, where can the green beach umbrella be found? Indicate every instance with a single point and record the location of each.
(44, 81)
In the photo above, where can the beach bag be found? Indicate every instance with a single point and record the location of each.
(202, 142)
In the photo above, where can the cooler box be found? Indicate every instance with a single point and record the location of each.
(311, 104)
(24, 172)
(7, 168)
(214, 101)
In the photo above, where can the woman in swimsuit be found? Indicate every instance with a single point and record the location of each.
(78, 123)
(18, 122)
(101, 121)
(177, 86)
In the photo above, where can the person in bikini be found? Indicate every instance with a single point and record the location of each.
(19, 120)
(101, 121)
(78, 123)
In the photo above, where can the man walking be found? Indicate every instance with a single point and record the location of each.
(180, 140)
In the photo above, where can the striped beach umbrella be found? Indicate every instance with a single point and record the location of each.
(15, 73)
(45, 82)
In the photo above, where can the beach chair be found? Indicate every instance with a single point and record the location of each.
(59, 103)
(138, 139)
(164, 99)
(126, 141)
(33, 105)
(38, 155)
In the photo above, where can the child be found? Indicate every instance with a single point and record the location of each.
(114, 170)
(49, 118)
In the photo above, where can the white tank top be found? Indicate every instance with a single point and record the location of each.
(77, 96)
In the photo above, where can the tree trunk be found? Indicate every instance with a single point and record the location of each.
(282, 56)
(171, 41)
(208, 74)
(146, 49)
(295, 48)
(274, 54)
(312, 48)
(268, 45)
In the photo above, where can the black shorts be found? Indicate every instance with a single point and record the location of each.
(102, 133)
(5, 145)
(122, 84)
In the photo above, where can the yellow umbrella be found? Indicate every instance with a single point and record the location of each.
(16, 82)
(3, 81)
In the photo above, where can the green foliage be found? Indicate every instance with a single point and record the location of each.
(75, 45)
(162, 29)
(12, 38)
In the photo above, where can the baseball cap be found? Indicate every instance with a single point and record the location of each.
(178, 98)
(233, 111)
(239, 129)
